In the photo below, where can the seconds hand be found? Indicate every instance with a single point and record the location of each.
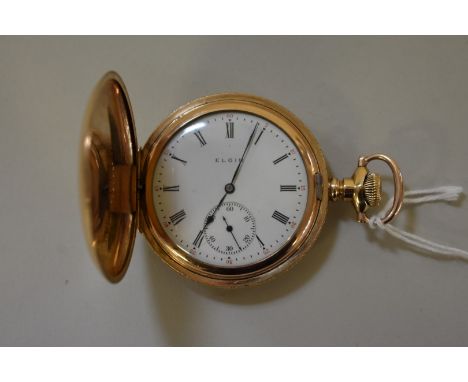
(229, 188)
(230, 229)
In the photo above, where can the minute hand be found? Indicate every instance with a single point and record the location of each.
(249, 143)
(210, 218)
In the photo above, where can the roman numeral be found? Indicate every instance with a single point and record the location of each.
(180, 160)
(198, 240)
(259, 135)
(178, 217)
(261, 242)
(229, 129)
(276, 161)
(199, 135)
(280, 217)
(288, 188)
(171, 188)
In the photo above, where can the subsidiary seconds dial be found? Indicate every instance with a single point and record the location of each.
(232, 230)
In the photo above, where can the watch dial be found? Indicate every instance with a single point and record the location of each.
(230, 189)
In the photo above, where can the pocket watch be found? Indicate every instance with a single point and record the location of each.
(229, 190)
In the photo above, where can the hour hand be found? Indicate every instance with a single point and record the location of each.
(210, 218)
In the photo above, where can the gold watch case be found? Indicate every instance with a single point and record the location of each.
(117, 178)
(108, 183)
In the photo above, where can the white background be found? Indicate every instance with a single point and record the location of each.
(403, 96)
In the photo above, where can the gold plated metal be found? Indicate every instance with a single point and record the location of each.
(364, 189)
(109, 177)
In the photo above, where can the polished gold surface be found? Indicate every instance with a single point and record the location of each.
(109, 170)
(308, 228)
(364, 189)
(373, 189)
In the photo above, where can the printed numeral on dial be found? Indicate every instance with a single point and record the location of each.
(229, 129)
(280, 217)
(198, 240)
(178, 217)
(170, 188)
(180, 160)
(259, 135)
(288, 188)
(199, 135)
(283, 157)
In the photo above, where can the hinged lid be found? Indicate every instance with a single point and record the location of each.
(109, 170)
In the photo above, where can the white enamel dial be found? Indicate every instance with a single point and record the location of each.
(230, 189)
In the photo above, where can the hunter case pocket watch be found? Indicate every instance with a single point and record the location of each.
(229, 190)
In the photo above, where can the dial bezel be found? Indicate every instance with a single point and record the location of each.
(308, 228)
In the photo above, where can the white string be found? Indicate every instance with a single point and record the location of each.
(444, 193)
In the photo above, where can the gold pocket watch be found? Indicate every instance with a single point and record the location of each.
(229, 190)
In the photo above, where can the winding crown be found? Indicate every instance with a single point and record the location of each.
(372, 189)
